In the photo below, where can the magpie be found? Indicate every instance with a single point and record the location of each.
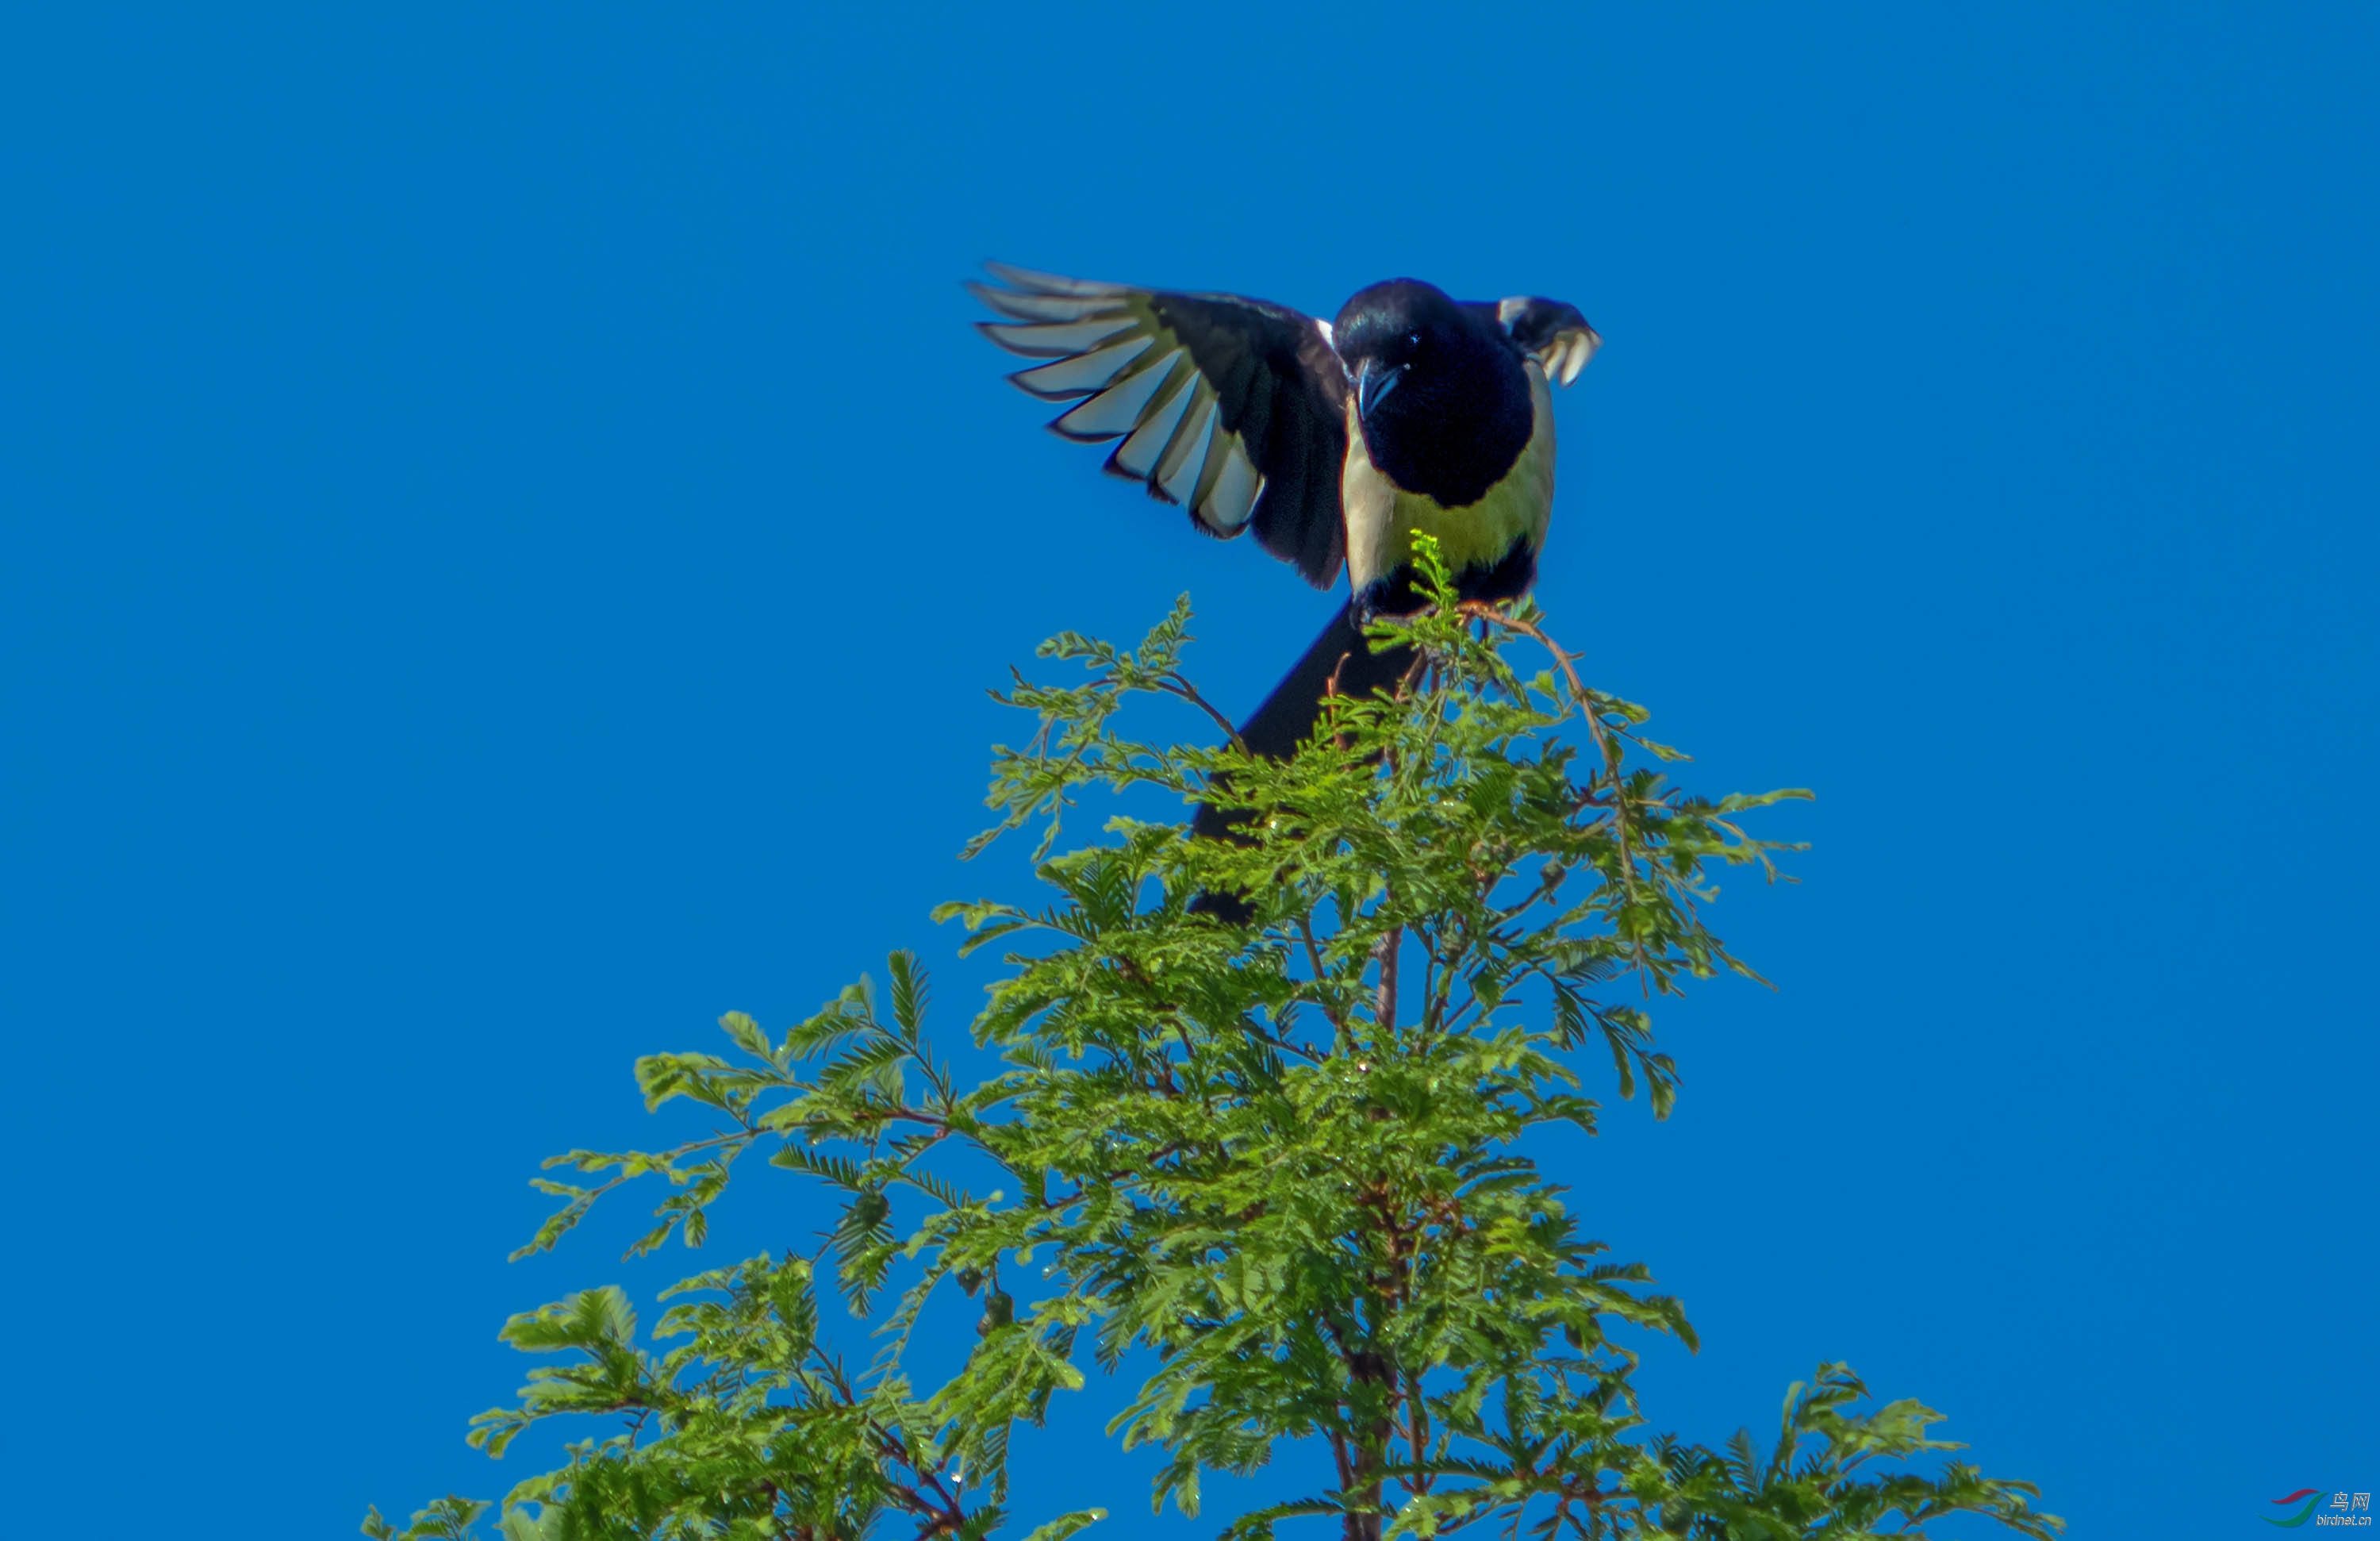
(1334, 441)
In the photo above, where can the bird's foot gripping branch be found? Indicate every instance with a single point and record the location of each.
(1291, 1156)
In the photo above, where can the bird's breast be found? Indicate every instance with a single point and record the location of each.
(1382, 517)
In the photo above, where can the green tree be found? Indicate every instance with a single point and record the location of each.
(1283, 1155)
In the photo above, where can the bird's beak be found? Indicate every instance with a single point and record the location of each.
(1373, 383)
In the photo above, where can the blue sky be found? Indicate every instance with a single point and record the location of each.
(508, 532)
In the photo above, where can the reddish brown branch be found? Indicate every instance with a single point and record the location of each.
(1176, 684)
(1605, 742)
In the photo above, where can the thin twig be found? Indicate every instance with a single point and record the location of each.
(1483, 611)
(1417, 1432)
(1603, 741)
(1175, 685)
(1321, 974)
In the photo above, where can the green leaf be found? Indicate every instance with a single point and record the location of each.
(1065, 1525)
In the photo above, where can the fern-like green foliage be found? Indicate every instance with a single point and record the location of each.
(1284, 1155)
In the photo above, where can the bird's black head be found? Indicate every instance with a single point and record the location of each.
(1390, 330)
(1440, 391)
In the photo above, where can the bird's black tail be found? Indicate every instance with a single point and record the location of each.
(1288, 715)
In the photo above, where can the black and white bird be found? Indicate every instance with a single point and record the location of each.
(1334, 442)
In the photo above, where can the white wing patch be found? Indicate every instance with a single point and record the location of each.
(1118, 409)
(1231, 496)
(1138, 454)
(1569, 352)
(1562, 355)
(1178, 473)
(1057, 339)
(1133, 379)
(1083, 374)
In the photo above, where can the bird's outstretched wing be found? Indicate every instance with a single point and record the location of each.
(1555, 334)
(1231, 406)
